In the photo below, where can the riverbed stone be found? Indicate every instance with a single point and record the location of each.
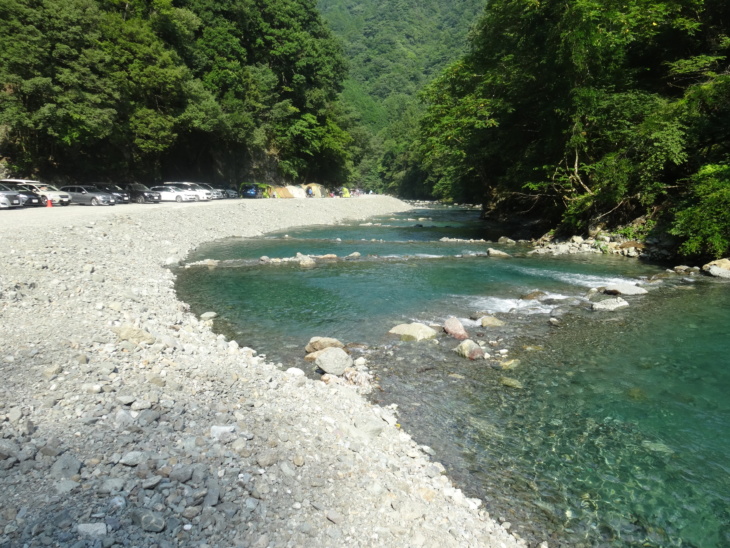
(610, 304)
(490, 321)
(624, 289)
(414, 332)
(469, 349)
(719, 268)
(320, 343)
(333, 361)
(454, 328)
(496, 253)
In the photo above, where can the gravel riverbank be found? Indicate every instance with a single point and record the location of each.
(125, 421)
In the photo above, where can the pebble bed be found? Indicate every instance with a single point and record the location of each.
(126, 421)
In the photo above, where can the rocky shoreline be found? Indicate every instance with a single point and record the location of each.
(125, 421)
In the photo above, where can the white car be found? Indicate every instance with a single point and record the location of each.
(200, 192)
(218, 194)
(171, 193)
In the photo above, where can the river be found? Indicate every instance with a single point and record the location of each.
(619, 436)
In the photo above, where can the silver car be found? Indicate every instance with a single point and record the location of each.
(89, 195)
(27, 198)
(9, 199)
(44, 191)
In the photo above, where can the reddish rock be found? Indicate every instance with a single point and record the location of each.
(453, 327)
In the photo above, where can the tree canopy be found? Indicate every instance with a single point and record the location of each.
(592, 112)
(137, 89)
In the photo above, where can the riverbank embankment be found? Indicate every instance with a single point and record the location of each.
(125, 421)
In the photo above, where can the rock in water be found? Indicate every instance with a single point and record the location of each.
(624, 289)
(454, 327)
(320, 343)
(469, 349)
(610, 304)
(491, 321)
(413, 332)
(497, 253)
(333, 361)
(719, 268)
(510, 382)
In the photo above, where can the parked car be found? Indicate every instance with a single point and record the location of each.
(89, 195)
(44, 191)
(27, 197)
(172, 193)
(230, 193)
(9, 199)
(217, 193)
(200, 192)
(250, 191)
(120, 195)
(141, 194)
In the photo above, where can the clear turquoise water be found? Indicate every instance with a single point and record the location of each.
(620, 436)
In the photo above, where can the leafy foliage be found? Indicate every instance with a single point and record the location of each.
(588, 111)
(195, 88)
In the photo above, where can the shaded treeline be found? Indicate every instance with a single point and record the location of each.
(145, 89)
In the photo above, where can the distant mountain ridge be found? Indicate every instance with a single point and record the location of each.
(395, 47)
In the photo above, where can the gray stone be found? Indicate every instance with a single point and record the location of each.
(208, 316)
(8, 448)
(333, 361)
(65, 467)
(181, 473)
(149, 520)
(414, 332)
(92, 529)
(133, 458)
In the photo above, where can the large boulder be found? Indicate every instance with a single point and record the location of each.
(624, 289)
(413, 332)
(453, 327)
(320, 343)
(470, 349)
(333, 361)
(719, 268)
(610, 304)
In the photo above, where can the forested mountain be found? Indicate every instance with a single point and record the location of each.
(592, 113)
(394, 48)
(141, 89)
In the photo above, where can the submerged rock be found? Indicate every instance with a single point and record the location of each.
(510, 382)
(413, 332)
(453, 327)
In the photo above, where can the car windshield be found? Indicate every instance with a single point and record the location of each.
(50, 188)
(138, 186)
(5, 188)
